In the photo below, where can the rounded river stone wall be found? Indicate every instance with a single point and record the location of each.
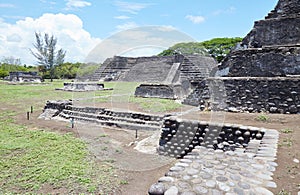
(251, 94)
(179, 137)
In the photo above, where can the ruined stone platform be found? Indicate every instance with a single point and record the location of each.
(248, 94)
(164, 91)
(64, 110)
(217, 159)
(83, 86)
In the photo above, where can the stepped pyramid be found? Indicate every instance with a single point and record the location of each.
(271, 48)
(156, 69)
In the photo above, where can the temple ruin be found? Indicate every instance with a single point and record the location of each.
(161, 76)
(263, 72)
(259, 75)
(21, 77)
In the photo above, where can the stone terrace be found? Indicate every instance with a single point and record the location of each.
(271, 48)
(102, 116)
(251, 94)
(216, 159)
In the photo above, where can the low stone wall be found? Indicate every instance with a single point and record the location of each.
(102, 116)
(30, 77)
(251, 94)
(159, 91)
(179, 137)
(241, 160)
(83, 86)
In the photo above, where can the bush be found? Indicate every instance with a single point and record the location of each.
(3, 73)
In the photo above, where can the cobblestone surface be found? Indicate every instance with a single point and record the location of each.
(208, 171)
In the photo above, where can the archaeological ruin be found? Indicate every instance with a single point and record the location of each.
(21, 77)
(83, 86)
(163, 77)
(262, 74)
(259, 75)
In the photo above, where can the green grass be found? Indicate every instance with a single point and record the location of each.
(123, 92)
(155, 104)
(23, 96)
(32, 159)
(287, 131)
(288, 142)
(284, 192)
(262, 117)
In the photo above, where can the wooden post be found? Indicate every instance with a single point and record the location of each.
(72, 122)
(136, 134)
(27, 115)
(31, 109)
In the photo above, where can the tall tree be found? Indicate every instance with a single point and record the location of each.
(46, 53)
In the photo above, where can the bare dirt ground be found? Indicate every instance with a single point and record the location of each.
(141, 170)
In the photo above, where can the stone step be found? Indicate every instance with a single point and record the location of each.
(68, 114)
(118, 124)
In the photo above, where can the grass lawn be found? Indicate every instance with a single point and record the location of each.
(34, 160)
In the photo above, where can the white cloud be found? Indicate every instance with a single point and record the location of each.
(122, 17)
(6, 5)
(77, 4)
(16, 39)
(130, 7)
(126, 26)
(195, 19)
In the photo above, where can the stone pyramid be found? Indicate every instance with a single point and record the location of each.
(271, 48)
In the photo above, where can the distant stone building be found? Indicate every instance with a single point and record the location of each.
(20, 76)
(162, 76)
(156, 69)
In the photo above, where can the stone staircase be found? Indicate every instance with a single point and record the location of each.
(194, 68)
(102, 116)
(100, 72)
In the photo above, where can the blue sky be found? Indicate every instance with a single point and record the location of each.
(80, 25)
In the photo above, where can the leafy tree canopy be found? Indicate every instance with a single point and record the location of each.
(70, 70)
(217, 47)
(11, 64)
(185, 48)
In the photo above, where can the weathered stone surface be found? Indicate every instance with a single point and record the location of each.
(262, 191)
(172, 191)
(166, 179)
(83, 86)
(156, 189)
(271, 48)
(200, 189)
(155, 69)
(21, 77)
(102, 116)
(264, 88)
(158, 90)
